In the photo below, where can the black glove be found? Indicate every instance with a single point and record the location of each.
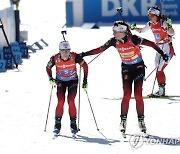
(85, 84)
(165, 57)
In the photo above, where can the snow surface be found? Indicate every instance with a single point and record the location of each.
(25, 96)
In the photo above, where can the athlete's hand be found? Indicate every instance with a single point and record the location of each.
(133, 26)
(85, 84)
(52, 81)
(165, 57)
(169, 23)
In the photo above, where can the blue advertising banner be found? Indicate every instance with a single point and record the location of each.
(104, 11)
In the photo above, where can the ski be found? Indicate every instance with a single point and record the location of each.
(139, 135)
(72, 136)
(146, 97)
(56, 136)
(161, 97)
(57, 133)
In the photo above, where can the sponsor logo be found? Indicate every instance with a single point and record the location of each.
(137, 141)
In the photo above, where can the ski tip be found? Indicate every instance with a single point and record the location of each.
(55, 136)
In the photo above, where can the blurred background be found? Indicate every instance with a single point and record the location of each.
(27, 23)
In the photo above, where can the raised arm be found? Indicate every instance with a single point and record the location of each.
(138, 29)
(100, 49)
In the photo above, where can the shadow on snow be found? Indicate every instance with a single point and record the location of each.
(96, 140)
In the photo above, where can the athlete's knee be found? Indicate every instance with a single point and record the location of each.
(126, 98)
(138, 98)
(60, 103)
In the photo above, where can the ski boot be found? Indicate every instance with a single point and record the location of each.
(141, 123)
(123, 125)
(160, 92)
(73, 126)
(57, 126)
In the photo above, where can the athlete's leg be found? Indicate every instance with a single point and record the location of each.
(138, 83)
(61, 89)
(72, 91)
(127, 90)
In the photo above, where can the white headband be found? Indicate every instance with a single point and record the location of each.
(120, 28)
(154, 11)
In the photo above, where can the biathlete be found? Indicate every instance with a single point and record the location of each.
(133, 68)
(163, 32)
(66, 80)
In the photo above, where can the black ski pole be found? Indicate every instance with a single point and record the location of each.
(95, 57)
(48, 108)
(119, 10)
(156, 75)
(157, 71)
(94, 115)
(2, 27)
(92, 110)
(150, 73)
(79, 97)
